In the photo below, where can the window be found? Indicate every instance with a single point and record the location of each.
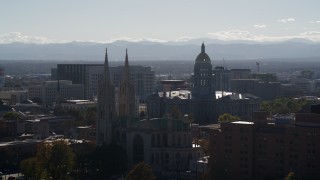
(165, 140)
(138, 148)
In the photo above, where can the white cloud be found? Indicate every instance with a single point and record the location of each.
(232, 35)
(184, 38)
(260, 26)
(246, 35)
(314, 22)
(136, 39)
(19, 37)
(288, 20)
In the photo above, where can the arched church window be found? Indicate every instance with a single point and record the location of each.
(138, 148)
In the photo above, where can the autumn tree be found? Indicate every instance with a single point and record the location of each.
(31, 169)
(228, 118)
(141, 171)
(61, 160)
(290, 176)
(54, 160)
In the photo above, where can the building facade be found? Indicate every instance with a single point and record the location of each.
(106, 110)
(266, 148)
(164, 143)
(47, 91)
(143, 78)
(127, 98)
(204, 104)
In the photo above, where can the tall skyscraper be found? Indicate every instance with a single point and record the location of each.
(106, 106)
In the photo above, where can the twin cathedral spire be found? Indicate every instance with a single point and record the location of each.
(106, 108)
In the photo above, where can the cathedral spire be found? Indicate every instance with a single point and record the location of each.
(203, 48)
(105, 106)
(127, 94)
(106, 67)
(126, 68)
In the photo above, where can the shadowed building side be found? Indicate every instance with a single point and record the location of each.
(126, 93)
(106, 106)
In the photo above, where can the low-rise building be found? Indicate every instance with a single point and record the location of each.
(78, 104)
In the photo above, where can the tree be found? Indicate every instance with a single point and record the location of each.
(283, 106)
(54, 160)
(141, 171)
(32, 169)
(91, 115)
(290, 176)
(61, 160)
(175, 112)
(228, 118)
(11, 115)
(108, 160)
(83, 154)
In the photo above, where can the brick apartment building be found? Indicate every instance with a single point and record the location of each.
(267, 148)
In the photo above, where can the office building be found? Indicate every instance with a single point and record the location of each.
(47, 91)
(89, 74)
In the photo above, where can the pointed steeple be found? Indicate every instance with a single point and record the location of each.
(126, 77)
(106, 67)
(127, 93)
(105, 106)
(203, 48)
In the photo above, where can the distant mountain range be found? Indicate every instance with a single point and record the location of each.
(147, 50)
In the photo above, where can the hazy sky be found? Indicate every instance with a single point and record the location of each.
(170, 20)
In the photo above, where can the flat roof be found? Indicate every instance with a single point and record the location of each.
(242, 122)
(14, 143)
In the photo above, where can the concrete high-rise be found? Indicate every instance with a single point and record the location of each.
(143, 77)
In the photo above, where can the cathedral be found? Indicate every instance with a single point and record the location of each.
(106, 107)
(164, 143)
(164, 139)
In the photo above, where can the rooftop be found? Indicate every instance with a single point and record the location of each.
(242, 122)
